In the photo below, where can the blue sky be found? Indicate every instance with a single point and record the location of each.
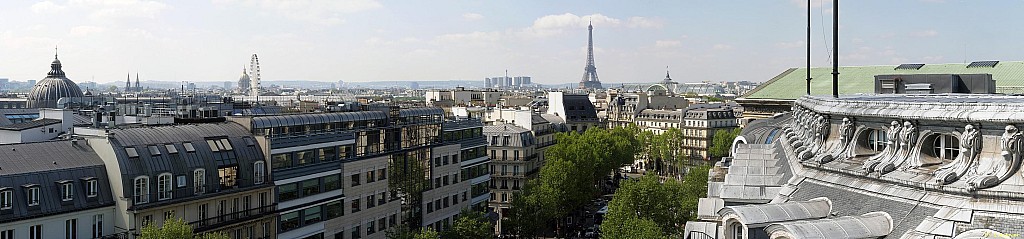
(369, 40)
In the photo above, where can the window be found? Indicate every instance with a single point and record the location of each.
(131, 152)
(204, 211)
(67, 191)
(289, 221)
(7, 234)
(370, 176)
(171, 149)
(225, 144)
(334, 209)
(71, 229)
(311, 215)
(287, 192)
(228, 176)
(188, 147)
(332, 182)
(146, 220)
(876, 140)
(371, 201)
(281, 161)
(199, 181)
(355, 232)
(355, 180)
(310, 187)
(35, 232)
(328, 154)
(141, 190)
(355, 205)
(382, 198)
(304, 157)
(6, 199)
(946, 147)
(164, 186)
(370, 228)
(430, 207)
(97, 226)
(382, 174)
(153, 150)
(91, 188)
(168, 215)
(260, 171)
(33, 196)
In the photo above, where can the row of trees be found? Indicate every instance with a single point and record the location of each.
(470, 225)
(647, 208)
(570, 178)
(665, 154)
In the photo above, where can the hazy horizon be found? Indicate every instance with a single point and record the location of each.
(372, 41)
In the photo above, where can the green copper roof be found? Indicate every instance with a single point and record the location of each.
(791, 83)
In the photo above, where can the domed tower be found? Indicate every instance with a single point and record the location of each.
(244, 83)
(56, 85)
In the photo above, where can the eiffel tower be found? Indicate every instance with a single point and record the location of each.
(590, 80)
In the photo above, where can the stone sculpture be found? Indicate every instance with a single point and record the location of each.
(891, 146)
(999, 169)
(970, 146)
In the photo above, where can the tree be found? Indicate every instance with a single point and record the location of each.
(470, 225)
(637, 228)
(721, 143)
(694, 186)
(176, 229)
(645, 199)
(112, 88)
(403, 232)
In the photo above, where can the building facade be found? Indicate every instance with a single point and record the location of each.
(212, 176)
(56, 189)
(513, 151)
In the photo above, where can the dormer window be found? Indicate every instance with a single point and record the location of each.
(32, 194)
(141, 190)
(92, 188)
(67, 191)
(164, 186)
(6, 198)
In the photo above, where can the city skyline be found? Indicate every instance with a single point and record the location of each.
(365, 40)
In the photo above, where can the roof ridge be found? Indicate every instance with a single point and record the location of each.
(766, 83)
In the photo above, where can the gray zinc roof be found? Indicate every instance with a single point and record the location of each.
(870, 225)
(44, 164)
(262, 122)
(756, 215)
(29, 124)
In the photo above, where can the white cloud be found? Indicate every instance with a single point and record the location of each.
(791, 45)
(473, 37)
(81, 31)
(321, 12)
(472, 16)
(47, 7)
(721, 47)
(667, 43)
(642, 22)
(803, 3)
(925, 33)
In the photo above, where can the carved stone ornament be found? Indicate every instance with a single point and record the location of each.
(966, 161)
(996, 170)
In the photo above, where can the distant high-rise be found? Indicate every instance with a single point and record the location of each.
(590, 80)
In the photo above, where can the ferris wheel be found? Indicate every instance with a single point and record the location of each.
(254, 74)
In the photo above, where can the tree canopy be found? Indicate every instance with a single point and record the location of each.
(645, 206)
(470, 225)
(721, 144)
(176, 229)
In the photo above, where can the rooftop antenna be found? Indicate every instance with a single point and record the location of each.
(835, 48)
(809, 47)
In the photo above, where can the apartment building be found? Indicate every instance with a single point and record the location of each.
(55, 189)
(213, 176)
(514, 155)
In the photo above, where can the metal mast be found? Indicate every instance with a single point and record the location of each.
(835, 49)
(808, 47)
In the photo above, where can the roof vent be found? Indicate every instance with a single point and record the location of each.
(909, 67)
(990, 64)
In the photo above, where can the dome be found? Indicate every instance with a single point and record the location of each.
(56, 85)
(243, 81)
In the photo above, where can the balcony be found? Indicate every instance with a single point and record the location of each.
(232, 218)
